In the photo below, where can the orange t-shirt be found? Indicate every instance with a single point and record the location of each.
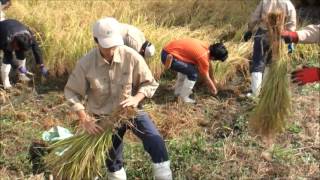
(191, 51)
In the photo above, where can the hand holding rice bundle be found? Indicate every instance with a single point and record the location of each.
(84, 153)
(268, 117)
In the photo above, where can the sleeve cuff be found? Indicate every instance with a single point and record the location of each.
(148, 92)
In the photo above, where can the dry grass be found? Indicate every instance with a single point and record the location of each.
(65, 31)
(270, 114)
(84, 155)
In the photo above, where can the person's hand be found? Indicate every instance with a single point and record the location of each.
(306, 75)
(90, 126)
(290, 37)
(247, 35)
(130, 101)
(23, 70)
(214, 91)
(43, 70)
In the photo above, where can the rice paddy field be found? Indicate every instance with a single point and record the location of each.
(208, 140)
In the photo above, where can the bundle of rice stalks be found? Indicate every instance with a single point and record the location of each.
(268, 117)
(238, 61)
(84, 155)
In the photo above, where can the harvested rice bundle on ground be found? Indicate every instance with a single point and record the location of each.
(237, 61)
(268, 117)
(84, 155)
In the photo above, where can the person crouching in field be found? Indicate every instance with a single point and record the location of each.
(105, 76)
(307, 35)
(4, 4)
(261, 47)
(134, 38)
(190, 57)
(15, 40)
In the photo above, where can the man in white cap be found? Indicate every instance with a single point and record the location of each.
(134, 38)
(110, 76)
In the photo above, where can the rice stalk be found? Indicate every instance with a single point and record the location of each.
(270, 114)
(83, 154)
(238, 61)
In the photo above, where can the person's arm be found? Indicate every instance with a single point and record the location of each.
(6, 5)
(211, 83)
(307, 35)
(38, 58)
(36, 51)
(143, 80)
(255, 17)
(74, 91)
(291, 19)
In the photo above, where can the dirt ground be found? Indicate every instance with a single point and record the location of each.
(27, 111)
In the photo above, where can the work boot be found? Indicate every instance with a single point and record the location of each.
(179, 82)
(162, 171)
(186, 90)
(5, 70)
(22, 70)
(256, 81)
(118, 175)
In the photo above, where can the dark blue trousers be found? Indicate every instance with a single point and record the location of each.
(261, 51)
(185, 68)
(8, 57)
(146, 131)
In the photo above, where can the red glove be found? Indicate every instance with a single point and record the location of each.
(306, 75)
(290, 37)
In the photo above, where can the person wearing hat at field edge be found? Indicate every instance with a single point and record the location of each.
(105, 76)
(307, 35)
(134, 38)
(4, 4)
(15, 40)
(190, 57)
(261, 46)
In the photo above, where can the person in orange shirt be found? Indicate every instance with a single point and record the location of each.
(190, 57)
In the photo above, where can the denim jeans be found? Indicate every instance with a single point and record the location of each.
(8, 57)
(190, 70)
(146, 131)
(261, 51)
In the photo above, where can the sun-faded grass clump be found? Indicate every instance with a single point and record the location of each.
(270, 114)
(83, 156)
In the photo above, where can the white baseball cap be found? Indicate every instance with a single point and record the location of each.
(107, 32)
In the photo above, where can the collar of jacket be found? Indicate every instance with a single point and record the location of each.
(116, 57)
